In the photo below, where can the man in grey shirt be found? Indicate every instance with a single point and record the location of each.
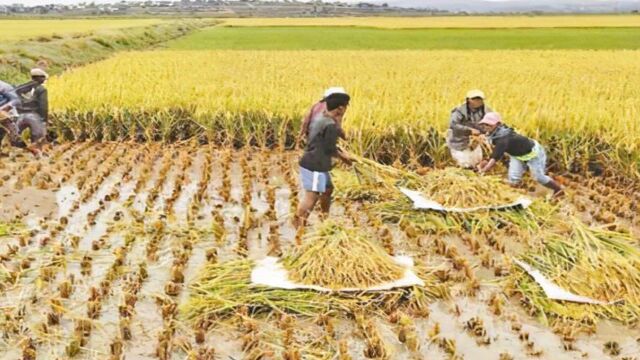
(34, 107)
(316, 163)
(463, 123)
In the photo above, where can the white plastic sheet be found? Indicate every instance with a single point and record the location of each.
(420, 202)
(270, 272)
(555, 292)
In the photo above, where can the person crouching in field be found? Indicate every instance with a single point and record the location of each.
(462, 124)
(524, 152)
(318, 110)
(34, 107)
(315, 163)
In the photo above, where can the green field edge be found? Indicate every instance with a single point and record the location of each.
(373, 38)
(18, 57)
(433, 28)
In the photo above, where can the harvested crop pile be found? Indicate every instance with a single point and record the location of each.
(459, 188)
(450, 187)
(336, 257)
(223, 288)
(588, 261)
(333, 257)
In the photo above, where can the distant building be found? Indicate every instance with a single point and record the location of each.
(365, 5)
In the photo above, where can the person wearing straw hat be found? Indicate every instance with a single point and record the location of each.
(523, 152)
(463, 123)
(316, 162)
(317, 110)
(34, 108)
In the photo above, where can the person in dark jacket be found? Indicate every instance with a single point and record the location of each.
(463, 123)
(523, 152)
(316, 162)
(34, 108)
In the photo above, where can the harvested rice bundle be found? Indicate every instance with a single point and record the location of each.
(349, 187)
(539, 216)
(459, 188)
(589, 261)
(337, 257)
(223, 288)
(450, 187)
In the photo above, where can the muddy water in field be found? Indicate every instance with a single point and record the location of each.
(97, 204)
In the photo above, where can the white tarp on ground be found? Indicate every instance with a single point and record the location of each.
(420, 202)
(270, 272)
(555, 292)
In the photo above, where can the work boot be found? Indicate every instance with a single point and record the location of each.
(558, 191)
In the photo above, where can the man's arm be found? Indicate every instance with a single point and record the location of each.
(25, 88)
(488, 166)
(304, 129)
(499, 149)
(455, 123)
(13, 99)
(43, 104)
(331, 140)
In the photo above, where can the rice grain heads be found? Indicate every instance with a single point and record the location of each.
(335, 257)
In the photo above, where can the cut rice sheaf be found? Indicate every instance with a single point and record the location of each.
(336, 257)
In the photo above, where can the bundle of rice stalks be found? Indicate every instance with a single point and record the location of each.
(450, 187)
(460, 188)
(349, 187)
(337, 257)
(588, 261)
(538, 216)
(224, 288)
(230, 289)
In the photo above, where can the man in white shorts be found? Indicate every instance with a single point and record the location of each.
(315, 163)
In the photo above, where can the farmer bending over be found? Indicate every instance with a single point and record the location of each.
(9, 101)
(315, 163)
(317, 110)
(8, 127)
(462, 124)
(524, 152)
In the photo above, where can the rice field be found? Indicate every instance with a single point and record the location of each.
(566, 99)
(23, 29)
(475, 22)
(368, 38)
(104, 266)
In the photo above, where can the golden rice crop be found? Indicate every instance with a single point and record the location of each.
(335, 256)
(581, 104)
(448, 21)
